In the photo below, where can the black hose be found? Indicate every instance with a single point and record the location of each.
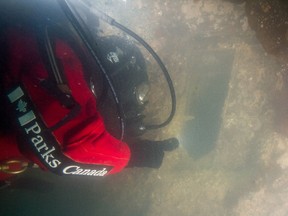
(68, 11)
(111, 21)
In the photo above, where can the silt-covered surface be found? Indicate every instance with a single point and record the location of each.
(230, 121)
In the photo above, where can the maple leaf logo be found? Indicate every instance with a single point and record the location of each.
(21, 106)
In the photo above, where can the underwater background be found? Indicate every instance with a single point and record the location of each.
(230, 79)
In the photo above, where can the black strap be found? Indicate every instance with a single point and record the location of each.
(65, 99)
(40, 140)
(56, 84)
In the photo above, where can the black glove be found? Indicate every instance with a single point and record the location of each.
(146, 153)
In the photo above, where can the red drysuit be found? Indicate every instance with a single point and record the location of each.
(83, 139)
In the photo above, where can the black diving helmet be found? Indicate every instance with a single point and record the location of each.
(114, 66)
(122, 86)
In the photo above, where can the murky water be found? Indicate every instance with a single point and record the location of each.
(233, 157)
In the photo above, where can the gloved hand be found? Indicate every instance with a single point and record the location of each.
(146, 153)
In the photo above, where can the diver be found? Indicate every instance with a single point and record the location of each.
(49, 113)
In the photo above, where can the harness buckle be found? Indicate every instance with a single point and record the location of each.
(13, 166)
